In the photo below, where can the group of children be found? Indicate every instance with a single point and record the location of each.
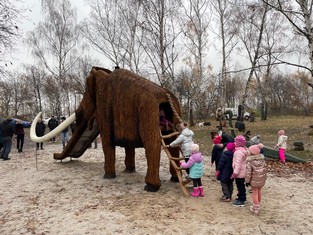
(233, 162)
(244, 165)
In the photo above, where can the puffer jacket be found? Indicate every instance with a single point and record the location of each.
(239, 161)
(185, 142)
(282, 142)
(225, 167)
(195, 163)
(216, 154)
(7, 130)
(256, 171)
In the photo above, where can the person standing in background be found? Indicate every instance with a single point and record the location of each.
(40, 131)
(19, 132)
(52, 124)
(64, 134)
(7, 132)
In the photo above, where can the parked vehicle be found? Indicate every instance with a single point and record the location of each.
(246, 115)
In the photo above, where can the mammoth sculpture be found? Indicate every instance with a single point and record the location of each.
(124, 109)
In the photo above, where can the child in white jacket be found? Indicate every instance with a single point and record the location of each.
(282, 145)
(184, 140)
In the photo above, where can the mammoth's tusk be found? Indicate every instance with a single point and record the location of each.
(52, 133)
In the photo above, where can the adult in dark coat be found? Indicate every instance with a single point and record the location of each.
(226, 138)
(52, 124)
(19, 132)
(40, 131)
(225, 170)
(7, 132)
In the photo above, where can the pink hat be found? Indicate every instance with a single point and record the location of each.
(255, 149)
(240, 141)
(281, 132)
(217, 140)
(230, 146)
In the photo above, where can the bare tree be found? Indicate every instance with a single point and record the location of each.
(10, 14)
(196, 20)
(276, 43)
(251, 19)
(299, 14)
(53, 44)
(158, 37)
(6, 97)
(77, 79)
(131, 14)
(112, 30)
(35, 80)
(103, 29)
(226, 33)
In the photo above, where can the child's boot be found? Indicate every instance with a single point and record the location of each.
(255, 209)
(201, 193)
(195, 192)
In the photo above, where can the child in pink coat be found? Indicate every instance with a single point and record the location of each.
(239, 166)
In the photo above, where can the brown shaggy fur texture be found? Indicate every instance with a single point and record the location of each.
(125, 107)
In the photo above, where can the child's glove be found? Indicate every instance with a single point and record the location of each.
(248, 185)
(217, 173)
(233, 176)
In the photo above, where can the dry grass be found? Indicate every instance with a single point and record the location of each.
(297, 129)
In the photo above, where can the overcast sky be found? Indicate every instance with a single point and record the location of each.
(22, 55)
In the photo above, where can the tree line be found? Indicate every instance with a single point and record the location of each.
(255, 45)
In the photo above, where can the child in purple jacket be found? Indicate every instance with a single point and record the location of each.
(195, 166)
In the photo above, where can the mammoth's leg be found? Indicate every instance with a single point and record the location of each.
(130, 160)
(153, 151)
(109, 159)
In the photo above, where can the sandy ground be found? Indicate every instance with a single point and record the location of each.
(42, 196)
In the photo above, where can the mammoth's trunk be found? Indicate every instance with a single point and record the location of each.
(52, 133)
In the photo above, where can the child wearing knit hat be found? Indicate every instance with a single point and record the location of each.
(224, 172)
(282, 145)
(217, 150)
(256, 175)
(239, 167)
(195, 166)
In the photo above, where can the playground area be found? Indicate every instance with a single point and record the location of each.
(71, 197)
